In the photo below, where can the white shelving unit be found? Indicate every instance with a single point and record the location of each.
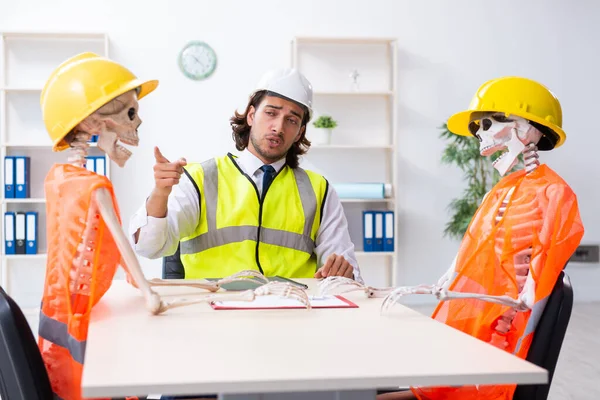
(363, 146)
(27, 59)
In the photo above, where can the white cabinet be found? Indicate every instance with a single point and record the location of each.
(354, 81)
(27, 60)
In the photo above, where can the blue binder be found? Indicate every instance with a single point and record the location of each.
(9, 177)
(9, 232)
(378, 229)
(368, 225)
(90, 163)
(101, 165)
(20, 232)
(31, 231)
(22, 177)
(388, 231)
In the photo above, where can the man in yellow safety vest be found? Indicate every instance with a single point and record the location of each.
(258, 210)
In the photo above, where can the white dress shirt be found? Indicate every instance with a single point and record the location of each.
(159, 237)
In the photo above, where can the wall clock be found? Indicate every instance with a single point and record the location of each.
(197, 60)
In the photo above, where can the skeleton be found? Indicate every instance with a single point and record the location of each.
(496, 132)
(116, 125)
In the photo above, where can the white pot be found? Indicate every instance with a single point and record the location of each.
(320, 136)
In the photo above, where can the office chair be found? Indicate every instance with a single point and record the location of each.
(548, 337)
(172, 267)
(23, 374)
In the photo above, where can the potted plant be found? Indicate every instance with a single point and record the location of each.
(322, 134)
(479, 174)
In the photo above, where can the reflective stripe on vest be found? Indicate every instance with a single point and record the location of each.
(56, 332)
(218, 237)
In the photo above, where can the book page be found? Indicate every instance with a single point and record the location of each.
(266, 302)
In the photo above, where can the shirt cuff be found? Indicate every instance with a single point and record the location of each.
(138, 220)
(152, 234)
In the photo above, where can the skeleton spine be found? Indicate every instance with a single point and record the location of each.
(79, 149)
(531, 158)
(531, 161)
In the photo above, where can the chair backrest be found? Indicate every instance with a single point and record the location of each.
(548, 337)
(23, 374)
(172, 267)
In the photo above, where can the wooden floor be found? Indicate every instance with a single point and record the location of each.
(577, 375)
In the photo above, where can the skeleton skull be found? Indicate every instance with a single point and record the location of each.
(116, 123)
(500, 132)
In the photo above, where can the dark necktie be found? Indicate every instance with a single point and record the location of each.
(269, 173)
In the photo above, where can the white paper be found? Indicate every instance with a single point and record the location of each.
(283, 302)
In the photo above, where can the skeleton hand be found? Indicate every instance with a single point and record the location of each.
(166, 173)
(329, 285)
(394, 296)
(283, 289)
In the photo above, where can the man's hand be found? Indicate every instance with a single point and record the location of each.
(335, 266)
(166, 173)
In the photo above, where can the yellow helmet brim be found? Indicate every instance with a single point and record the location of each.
(459, 123)
(145, 88)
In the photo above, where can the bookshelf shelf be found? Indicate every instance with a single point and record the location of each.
(355, 82)
(27, 59)
(24, 201)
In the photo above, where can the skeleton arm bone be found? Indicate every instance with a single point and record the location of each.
(446, 279)
(518, 304)
(211, 286)
(154, 303)
(443, 295)
(340, 284)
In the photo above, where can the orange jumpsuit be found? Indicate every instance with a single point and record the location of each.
(76, 235)
(542, 214)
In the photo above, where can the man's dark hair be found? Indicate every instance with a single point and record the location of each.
(241, 129)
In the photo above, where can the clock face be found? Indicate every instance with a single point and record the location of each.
(197, 60)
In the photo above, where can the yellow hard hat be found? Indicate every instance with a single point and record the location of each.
(81, 85)
(517, 96)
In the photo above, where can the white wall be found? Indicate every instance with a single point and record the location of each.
(446, 50)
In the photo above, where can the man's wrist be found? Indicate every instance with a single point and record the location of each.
(160, 193)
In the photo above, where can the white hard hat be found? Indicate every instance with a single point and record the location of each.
(290, 83)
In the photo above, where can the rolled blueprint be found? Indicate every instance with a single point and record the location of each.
(363, 190)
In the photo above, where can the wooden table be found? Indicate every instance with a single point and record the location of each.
(196, 349)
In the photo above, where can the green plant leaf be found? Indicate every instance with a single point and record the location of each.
(325, 121)
(478, 174)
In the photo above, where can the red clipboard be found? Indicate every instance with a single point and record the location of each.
(276, 302)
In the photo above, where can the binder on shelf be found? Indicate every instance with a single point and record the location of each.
(90, 164)
(378, 246)
(367, 230)
(101, 165)
(96, 164)
(31, 232)
(9, 177)
(20, 229)
(9, 232)
(22, 177)
(388, 231)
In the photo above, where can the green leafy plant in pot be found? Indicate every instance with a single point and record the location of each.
(322, 134)
(479, 174)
